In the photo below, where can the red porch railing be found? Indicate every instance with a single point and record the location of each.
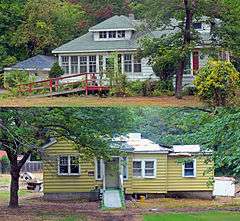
(54, 86)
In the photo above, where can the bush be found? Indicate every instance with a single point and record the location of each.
(13, 78)
(217, 83)
(56, 71)
(135, 88)
(189, 91)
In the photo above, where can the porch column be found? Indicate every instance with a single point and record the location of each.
(103, 175)
(69, 64)
(132, 64)
(191, 62)
(97, 63)
(78, 64)
(87, 64)
(60, 60)
(122, 63)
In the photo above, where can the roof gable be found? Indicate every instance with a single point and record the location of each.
(114, 23)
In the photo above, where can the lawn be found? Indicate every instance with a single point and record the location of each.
(204, 216)
(4, 195)
(77, 101)
(4, 180)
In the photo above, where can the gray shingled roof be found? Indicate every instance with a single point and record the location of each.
(39, 62)
(86, 43)
(115, 22)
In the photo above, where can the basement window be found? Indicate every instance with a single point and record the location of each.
(68, 165)
(189, 169)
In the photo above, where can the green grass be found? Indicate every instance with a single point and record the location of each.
(4, 195)
(4, 180)
(74, 218)
(204, 216)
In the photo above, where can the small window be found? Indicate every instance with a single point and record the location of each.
(74, 64)
(68, 165)
(83, 64)
(98, 169)
(121, 34)
(112, 34)
(189, 169)
(65, 64)
(137, 65)
(128, 63)
(102, 34)
(137, 168)
(197, 25)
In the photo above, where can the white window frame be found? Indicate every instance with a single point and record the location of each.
(126, 178)
(101, 170)
(128, 62)
(194, 170)
(69, 166)
(65, 64)
(74, 65)
(143, 175)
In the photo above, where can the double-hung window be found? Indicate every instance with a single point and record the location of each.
(127, 63)
(74, 64)
(137, 65)
(83, 64)
(144, 168)
(65, 64)
(68, 165)
(92, 64)
(189, 169)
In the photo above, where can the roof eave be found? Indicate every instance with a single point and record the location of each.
(112, 29)
(92, 51)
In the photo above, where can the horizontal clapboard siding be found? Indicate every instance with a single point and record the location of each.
(54, 183)
(152, 185)
(178, 183)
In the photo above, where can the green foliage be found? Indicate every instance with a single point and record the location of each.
(48, 24)
(217, 83)
(14, 78)
(217, 130)
(4, 161)
(56, 71)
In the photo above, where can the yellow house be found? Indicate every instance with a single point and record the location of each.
(147, 169)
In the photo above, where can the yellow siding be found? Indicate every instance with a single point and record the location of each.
(55, 183)
(178, 183)
(152, 185)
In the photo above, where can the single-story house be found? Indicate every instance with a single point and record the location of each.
(39, 65)
(121, 34)
(146, 168)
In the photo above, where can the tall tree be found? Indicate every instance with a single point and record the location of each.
(25, 131)
(48, 24)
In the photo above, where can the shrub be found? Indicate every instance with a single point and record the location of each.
(13, 78)
(135, 87)
(56, 71)
(189, 91)
(217, 83)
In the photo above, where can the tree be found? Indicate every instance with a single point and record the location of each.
(11, 16)
(25, 131)
(56, 71)
(215, 129)
(217, 83)
(48, 24)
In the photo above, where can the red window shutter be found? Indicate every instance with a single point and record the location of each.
(195, 61)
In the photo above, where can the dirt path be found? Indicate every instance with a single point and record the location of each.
(77, 101)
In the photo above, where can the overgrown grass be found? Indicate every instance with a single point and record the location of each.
(4, 195)
(204, 216)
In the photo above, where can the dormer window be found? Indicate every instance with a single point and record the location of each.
(121, 34)
(102, 34)
(197, 25)
(112, 34)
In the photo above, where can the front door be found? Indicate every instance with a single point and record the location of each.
(112, 173)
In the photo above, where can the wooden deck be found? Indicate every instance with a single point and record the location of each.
(85, 83)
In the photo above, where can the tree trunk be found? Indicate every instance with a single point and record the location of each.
(189, 7)
(15, 174)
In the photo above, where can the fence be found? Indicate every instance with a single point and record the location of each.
(32, 166)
